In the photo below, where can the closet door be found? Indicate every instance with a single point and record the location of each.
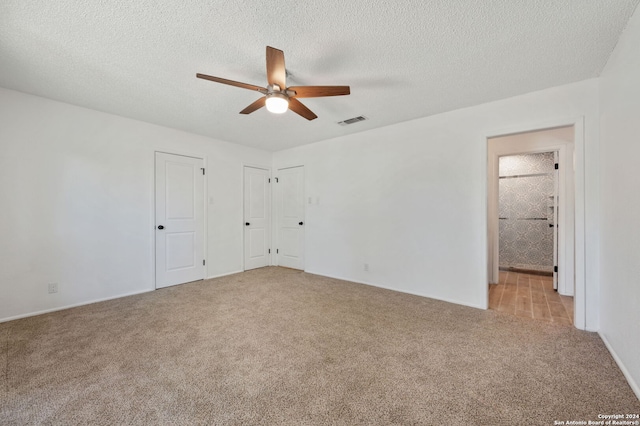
(257, 218)
(179, 219)
(290, 217)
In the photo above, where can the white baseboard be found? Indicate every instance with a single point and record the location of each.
(224, 275)
(457, 302)
(627, 375)
(75, 305)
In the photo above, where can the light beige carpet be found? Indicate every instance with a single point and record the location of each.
(277, 346)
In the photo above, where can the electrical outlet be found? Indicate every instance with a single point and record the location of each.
(366, 267)
(53, 288)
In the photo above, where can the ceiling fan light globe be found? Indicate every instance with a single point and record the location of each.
(277, 103)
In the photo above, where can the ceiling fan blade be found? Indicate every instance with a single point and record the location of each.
(276, 73)
(254, 106)
(232, 83)
(319, 91)
(297, 107)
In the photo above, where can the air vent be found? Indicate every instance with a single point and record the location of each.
(352, 120)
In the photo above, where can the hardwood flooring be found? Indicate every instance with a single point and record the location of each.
(530, 296)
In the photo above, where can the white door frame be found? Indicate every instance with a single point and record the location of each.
(153, 209)
(270, 226)
(579, 267)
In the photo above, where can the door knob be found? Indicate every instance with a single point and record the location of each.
(300, 223)
(247, 224)
(160, 227)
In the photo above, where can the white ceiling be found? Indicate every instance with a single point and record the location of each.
(403, 59)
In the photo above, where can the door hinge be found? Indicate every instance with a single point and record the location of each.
(555, 269)
(556, 166)
(277, 251)
(202, 168)
(269, 251)
(203, 261)
(269, 180)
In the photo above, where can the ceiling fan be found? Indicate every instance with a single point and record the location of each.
(277, 96)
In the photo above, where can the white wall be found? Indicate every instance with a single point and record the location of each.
(410, 199)
(620, 208)
(76, 188)
(76, 202)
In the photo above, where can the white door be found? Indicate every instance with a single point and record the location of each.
(257, 221)
(554, 208)
(290, 211)
(179, 219)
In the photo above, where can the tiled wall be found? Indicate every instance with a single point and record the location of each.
(526, 191)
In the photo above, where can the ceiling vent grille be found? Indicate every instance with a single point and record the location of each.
(352, 120)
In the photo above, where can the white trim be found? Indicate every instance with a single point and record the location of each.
(580, 287)
(256, 166)
(292, 166)
(455, 302)
(537, 126)
(183, 154)
(581, 316)
(223, 275)
(90, 302)
(75, 305)
(205, 225)
(625, 372)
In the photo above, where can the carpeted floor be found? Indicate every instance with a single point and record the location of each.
(277, 346)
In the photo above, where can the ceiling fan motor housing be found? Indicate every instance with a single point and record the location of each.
(277, 102)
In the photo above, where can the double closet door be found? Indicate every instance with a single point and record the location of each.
(286, 248)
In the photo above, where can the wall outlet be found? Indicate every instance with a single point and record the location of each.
(366, 267)
(53, 288)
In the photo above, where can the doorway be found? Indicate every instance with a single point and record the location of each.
(540, 225)
(527, 209)
(179, 219)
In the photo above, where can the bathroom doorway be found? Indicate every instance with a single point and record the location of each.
(531, 224)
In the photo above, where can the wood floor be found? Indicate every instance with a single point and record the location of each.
(530, 296)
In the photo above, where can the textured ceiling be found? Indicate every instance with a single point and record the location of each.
(402, 59)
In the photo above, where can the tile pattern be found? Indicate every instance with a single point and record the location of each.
(530, 296)
(525, 209)
(526, 163)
